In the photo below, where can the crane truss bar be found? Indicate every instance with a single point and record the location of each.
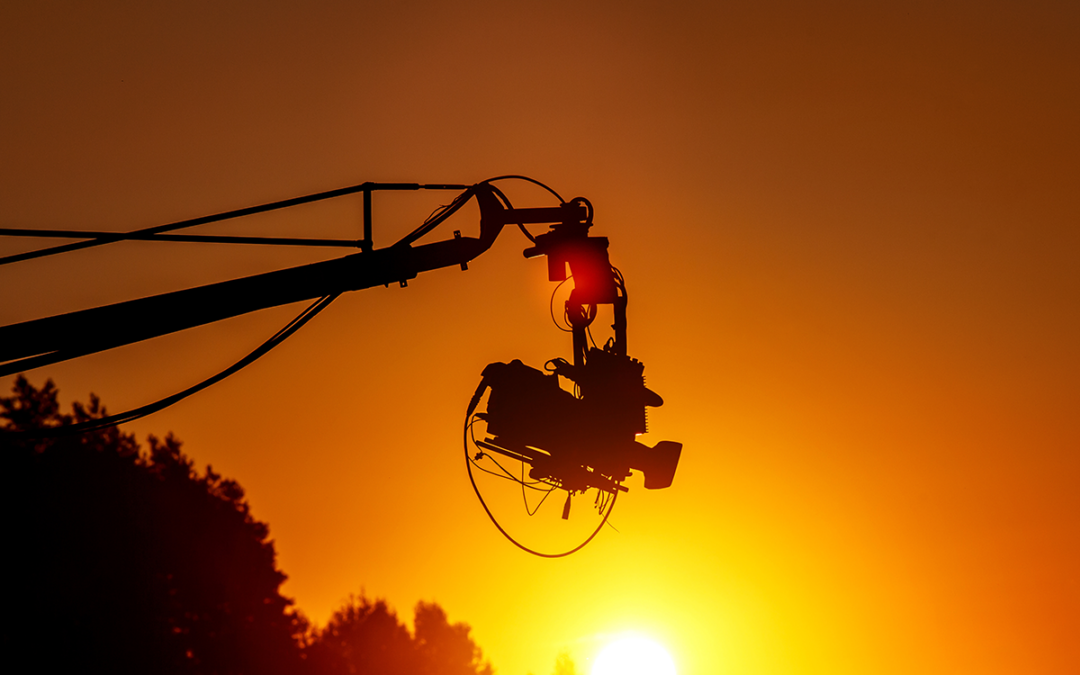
(365, 244)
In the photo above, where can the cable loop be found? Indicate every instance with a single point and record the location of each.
(142, 411)
(499, 527)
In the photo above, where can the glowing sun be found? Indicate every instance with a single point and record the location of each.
(633, 655)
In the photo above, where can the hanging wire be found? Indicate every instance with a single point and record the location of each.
(530, 180)
(140, 412)
(499, 527)
(525, 499)
(551, 308)
(588, 333)
(506, 202)
(437, 217)
(620, 281)
(505, 472)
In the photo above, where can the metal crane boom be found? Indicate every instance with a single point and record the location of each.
(41, 342)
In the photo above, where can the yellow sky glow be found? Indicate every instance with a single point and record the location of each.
(849, 233)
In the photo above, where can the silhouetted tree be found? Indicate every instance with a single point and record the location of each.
(363, 637)
(367, 637)
(445, 648)
(564, 665)
(129, 561)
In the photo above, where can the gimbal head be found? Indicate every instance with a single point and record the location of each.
(586, 439)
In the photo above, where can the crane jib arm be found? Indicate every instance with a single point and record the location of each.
(40, 342)
(58, 338)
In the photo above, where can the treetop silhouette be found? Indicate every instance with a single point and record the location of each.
(129, 558)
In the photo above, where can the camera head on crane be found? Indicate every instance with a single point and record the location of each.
(583, 439)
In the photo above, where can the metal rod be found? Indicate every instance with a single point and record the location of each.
(40, 342)
(227, 215)
(195, 238)
(367, 244)
(512, 454)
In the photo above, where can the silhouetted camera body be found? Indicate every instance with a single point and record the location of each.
(577, 442)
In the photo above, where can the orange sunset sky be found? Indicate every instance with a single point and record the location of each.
(851, 235)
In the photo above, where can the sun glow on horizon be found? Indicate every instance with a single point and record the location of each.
(633, 655)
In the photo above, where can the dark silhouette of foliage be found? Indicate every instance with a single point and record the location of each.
(445, 648)
(564, 665)
(131, 560)
(367, 637)
(363, 637)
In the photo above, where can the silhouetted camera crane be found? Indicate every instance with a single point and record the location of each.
(570, 441)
